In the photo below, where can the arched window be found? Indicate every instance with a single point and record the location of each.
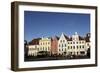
(68, 47)
(63, 40)
(80, 46)
(73, 47)
(77, 47)
(65, 45)
(83, 46)
(62, 45)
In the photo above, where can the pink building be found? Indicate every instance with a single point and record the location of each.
(54, 45)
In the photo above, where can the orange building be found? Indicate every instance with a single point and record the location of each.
(54, 45)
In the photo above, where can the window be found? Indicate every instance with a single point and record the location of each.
(48, 43)
(68, 47)
(71, 53)
(73, 47)
(77, 42)
(46, 49)
(77, 53)
(65, 49)
(65, 45)
(80, 46)
(62, 45)
(80, 42)
(43, 48)
(87, 44)
(73, 42)
(83, 46)
(82, 52)
(63, 40)
(59, 49)
(59, 45)
(77, 47)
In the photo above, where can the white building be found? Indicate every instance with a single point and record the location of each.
(74, 45)
(33, 47)
(33, 50)
(62, 44)
(77, 45)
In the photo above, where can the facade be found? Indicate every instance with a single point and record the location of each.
(62, 44)
(45, 44)
(77, 45)
(33, 47)
(54, 45)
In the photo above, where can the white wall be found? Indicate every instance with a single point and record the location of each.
(5, 28)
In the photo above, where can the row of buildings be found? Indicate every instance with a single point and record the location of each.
(63, 45)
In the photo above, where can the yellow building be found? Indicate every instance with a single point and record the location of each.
(45, 44)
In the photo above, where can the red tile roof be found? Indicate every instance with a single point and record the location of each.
(34, 41)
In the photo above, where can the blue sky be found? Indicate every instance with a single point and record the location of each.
(47, 24)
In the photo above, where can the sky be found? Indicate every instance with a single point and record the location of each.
(47, 24)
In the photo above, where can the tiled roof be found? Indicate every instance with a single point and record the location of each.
(57, 37)
(70, 39)
(81, 38)
(34, 41)
(66, 37)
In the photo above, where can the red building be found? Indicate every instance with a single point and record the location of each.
(54, 45)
